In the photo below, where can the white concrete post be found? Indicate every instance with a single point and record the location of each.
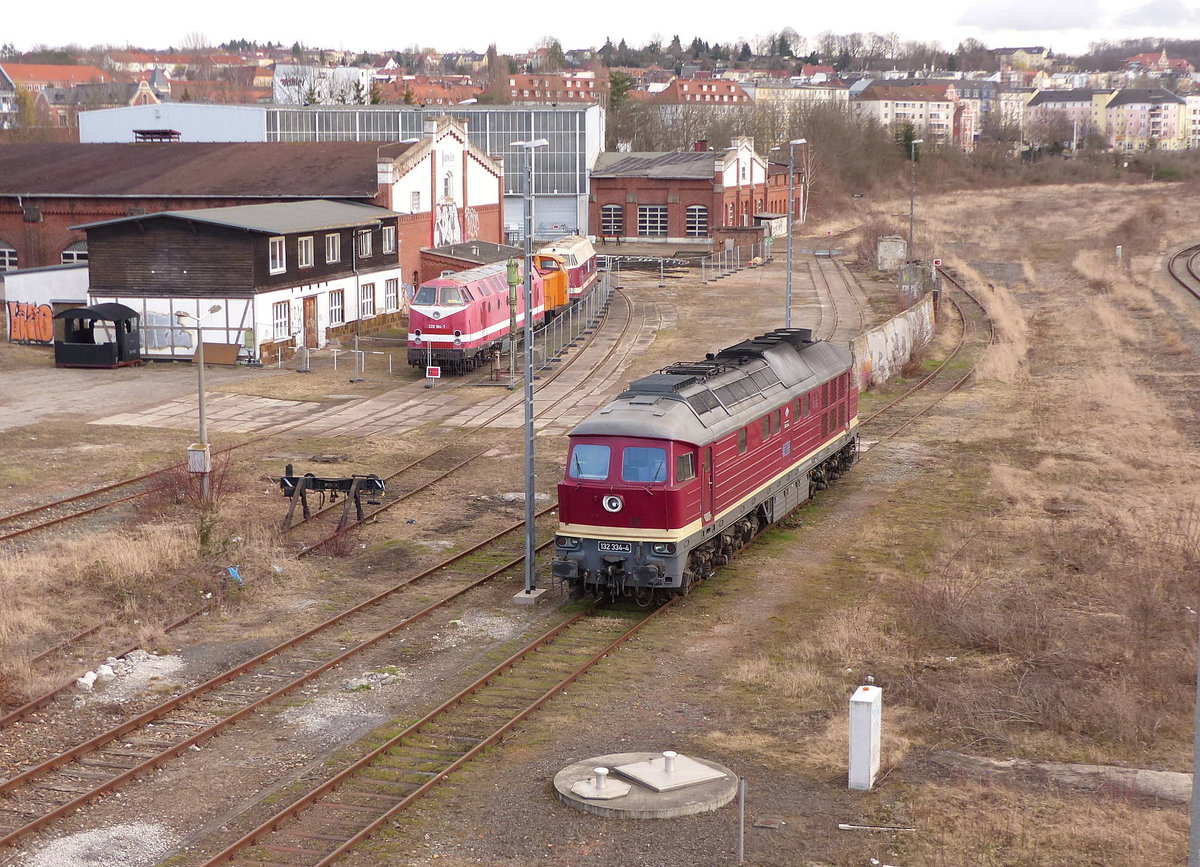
(866, 725)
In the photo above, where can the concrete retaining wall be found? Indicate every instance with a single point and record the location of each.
(882, 352)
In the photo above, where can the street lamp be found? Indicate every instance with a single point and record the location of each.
(787, 315)
(912, 192)
(199, 456)
(529, 595)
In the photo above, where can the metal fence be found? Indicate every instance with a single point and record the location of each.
(562, 332)
(722, 263)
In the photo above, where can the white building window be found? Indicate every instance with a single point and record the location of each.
(391, 294)
(337, 306)
(415, 206)
(612, 221)
(278, 256)
(304, 252)
(333, 248)
(697, 221)
(8, 257)
(366, 300)
(389, 239)
(281, 313)
(652, 221)
(362, 242)
(74, 254)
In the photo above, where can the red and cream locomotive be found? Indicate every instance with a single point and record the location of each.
(455, 319)
(577, 258)
(668, 480)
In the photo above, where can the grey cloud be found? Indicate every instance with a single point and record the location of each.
(1160, 13)
(1034, 15)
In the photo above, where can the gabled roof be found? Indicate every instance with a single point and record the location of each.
(1085, 94)
(1137, 95)
(671, 164)
(880, 90)
(241, 170)
(278, 218)
(57, 73)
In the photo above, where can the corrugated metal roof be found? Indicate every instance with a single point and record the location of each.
(240, 170)
(277, 218)
(671, 164)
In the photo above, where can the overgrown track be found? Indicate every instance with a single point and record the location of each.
(976, 333)
(66, 777)
(848, 313)
(1184, 268)
(456, 449)
(324, 823)
(443, 462)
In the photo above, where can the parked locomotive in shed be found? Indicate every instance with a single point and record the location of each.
(677, 473)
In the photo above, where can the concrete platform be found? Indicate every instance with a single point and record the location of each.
(643, 802)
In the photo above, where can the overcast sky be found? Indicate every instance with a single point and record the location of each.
(1066, 26)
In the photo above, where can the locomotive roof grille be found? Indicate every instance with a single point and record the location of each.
(660, 383)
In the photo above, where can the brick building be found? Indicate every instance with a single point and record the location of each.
(445, 189)
(679, 196)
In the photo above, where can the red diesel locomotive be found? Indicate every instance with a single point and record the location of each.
(668, 480)
(455, 319)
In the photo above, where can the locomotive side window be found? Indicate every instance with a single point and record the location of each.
(804, 403)
(741, 434)
(766, 428)
(685, 467)
(589, 461)
(644, 464)
(426, 295)
(775, 422)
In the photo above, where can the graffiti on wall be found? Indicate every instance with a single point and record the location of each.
(471, 218)
(30, 323)
(446, 229)
(882, 352)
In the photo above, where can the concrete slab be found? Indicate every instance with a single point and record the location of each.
(533, 597)
(642, 802)
(656, 774)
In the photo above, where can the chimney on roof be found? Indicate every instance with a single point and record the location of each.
(700, 146)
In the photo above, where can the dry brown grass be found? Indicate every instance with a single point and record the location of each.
(991, 825)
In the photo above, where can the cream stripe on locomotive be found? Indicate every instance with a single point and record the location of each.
(428, 337)
(643, 534)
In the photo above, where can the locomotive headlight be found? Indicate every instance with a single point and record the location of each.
(663, 547)
(566, 541)
(436, 314)
(417, 333)
(457, 342)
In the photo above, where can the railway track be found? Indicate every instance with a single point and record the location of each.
(329, 817)
(975, 335)
(434, 467)
(1184, 268)
(62, 774)
(838, 286)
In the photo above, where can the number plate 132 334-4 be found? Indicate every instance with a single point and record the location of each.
(615, 547)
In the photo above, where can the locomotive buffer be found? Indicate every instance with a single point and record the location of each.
(352, 488)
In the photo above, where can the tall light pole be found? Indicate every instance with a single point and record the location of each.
(787, 308)
(912, 192)
(199, 456)
(530, 479)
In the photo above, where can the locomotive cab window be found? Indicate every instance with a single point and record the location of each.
(685, 467)
(426, 295)
(644, 464)
(589, 461)
(451, 296)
